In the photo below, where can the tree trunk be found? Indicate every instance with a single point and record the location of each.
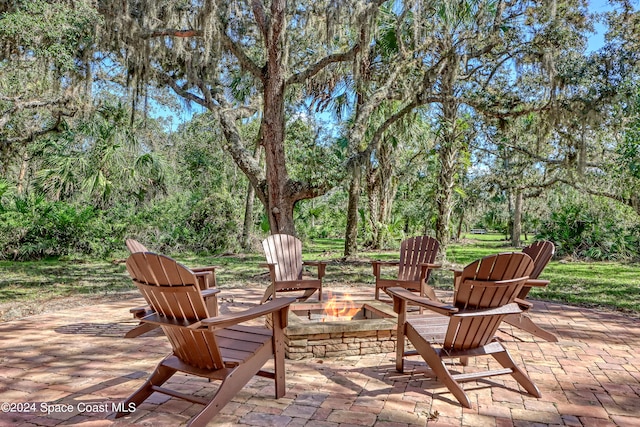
(373, 191)
(448, 154)
(351, 233)
(24, 166)
(280, 202)
(247, 226)
(460, 223)
(444, 195)
(516, 229)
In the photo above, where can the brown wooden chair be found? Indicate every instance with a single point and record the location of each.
(217, 348)
(541, 252)
(417, 259)
(206, 275)
(206, 280)
(467, 327)
(284, 260)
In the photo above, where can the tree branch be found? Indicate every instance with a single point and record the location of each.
(632, 201)
(18, 105)
(227, 118)
(33, 135)
(244, 60)
(350, 54)
(168, 80)
(314, 69)
(227, 42)
(260, 16)
(171, 32)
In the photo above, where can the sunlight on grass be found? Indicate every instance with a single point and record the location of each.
(597, 284)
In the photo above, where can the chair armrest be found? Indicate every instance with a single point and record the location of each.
(203, 278)
(272, 269)
(430, 265)
(268, 265)
(377, 264)
(425, 267)
(202, 273)
(208, 268)
(537, 283)
(322, 265)
(221, 322)
(316, 263)
(524, 304)
(414, 299)
(386, 263)
(511, 308)
(209, 292)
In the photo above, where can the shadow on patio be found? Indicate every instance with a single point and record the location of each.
(78, 360)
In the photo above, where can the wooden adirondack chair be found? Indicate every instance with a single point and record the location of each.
(417, 257)
(217, 348)
(206, 280)
(485, 297)
(284, 260)
(541, 252)
(206, 275)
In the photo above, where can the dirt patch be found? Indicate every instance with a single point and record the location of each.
(18, 310)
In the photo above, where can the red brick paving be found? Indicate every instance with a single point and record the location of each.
(78, 356)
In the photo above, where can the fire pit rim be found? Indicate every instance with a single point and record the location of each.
(298, 326)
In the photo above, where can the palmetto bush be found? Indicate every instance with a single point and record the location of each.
(593, 229)
(34, 228)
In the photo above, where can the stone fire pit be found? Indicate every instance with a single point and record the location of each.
(369, 328)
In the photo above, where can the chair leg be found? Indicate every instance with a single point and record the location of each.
(430, 293)
(159, 376)
(435, 362)
(504, 358)
(268, 294)
(142, 328)
(307, 293)
(526, 324)
(230, 386)
(438, 367)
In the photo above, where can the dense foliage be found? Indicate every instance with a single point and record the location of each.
(593, 229)
(473, 114)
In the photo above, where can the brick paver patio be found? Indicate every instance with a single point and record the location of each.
(77, 359)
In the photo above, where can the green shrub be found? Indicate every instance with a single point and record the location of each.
(592, 229)
(187, 223)
(34, 228)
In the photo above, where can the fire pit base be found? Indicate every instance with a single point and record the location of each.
(371, 330)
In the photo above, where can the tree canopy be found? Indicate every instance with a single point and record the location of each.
(442, 114)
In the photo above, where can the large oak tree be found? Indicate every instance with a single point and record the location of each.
(241, 60)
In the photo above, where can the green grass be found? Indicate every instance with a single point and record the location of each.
(610, 285)
(41, 280)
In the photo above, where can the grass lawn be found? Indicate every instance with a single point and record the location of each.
(30, 287)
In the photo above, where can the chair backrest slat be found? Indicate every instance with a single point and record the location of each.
(286, 252)
(172, 291)
(541, 252)
(135, 246)
(413, 252)
(477, 289)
